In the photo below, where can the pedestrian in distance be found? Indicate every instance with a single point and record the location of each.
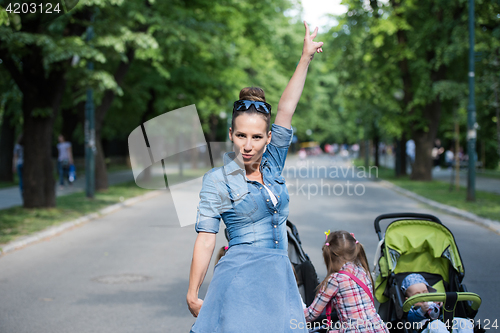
(64, 160)
(18, 161)
(348, 287)
(253, 288)
(437, 151)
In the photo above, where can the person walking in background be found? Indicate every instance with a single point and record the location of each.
(437, 151)
(64, 159)
(410, 153)
(18, 161)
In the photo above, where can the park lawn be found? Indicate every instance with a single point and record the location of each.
(486, 205)
(8, 184)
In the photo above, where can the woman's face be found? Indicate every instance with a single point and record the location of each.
(250, 137)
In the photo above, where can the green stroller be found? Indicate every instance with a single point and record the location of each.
(419, 243)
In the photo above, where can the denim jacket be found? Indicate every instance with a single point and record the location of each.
(245, 205)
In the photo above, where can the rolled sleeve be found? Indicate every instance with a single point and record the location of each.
(208, 214)
(277, 149)
(281, 136)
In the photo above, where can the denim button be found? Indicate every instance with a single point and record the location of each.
(276, 242)
(275, 226)
(275, 212)
(267, 200)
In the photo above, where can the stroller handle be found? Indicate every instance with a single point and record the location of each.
(441, 297)
(402, 215)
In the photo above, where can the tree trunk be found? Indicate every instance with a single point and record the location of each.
(404, 159)
(497, 110)
(407, 92)
(424, 142)
(71, 118)
(361, 152)
(213, 122)
(38, 177)
(101, 176)
(7, 142)
(422, 168)
(376, 143)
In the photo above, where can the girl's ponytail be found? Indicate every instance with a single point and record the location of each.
(361, 258)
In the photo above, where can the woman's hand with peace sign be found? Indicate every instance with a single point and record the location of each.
(293, 90)
(310, 46)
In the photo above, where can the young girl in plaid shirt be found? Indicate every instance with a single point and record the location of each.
(347, 288)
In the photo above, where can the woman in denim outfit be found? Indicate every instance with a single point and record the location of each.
(253, 288)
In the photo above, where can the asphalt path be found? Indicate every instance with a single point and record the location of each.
(128, 271)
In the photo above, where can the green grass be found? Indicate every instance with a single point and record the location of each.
(486, 205)
(8, 184)
(18, 221)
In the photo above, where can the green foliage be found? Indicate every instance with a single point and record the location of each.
(203, 52)
(368, 52)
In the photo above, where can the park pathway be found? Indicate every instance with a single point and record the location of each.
(128, 271)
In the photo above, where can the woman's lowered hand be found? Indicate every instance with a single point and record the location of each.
(194, 305)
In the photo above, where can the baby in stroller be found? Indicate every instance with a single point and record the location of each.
(416, 251)
(428, 313)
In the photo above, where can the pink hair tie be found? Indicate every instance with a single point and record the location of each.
(226, 247)
(327, 244)
(352, 234)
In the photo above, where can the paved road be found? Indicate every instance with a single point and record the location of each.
(77, 282)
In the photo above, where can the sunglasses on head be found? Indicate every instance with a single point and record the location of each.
(244, 105)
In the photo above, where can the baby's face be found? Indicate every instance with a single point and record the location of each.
(415, 289)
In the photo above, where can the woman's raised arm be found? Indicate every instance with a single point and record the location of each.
(293, 90)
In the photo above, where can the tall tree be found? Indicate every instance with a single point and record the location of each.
(37, 54)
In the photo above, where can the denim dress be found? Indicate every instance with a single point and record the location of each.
(253, 288)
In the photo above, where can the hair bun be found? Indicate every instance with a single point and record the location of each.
(253, 94)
